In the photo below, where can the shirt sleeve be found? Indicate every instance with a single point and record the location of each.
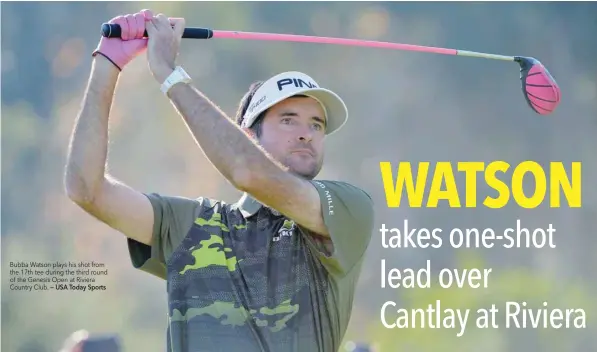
(348, 214)
(173, 217)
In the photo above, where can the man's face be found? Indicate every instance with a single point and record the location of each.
(293, 132)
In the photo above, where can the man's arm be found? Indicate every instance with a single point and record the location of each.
(86, 181)
(244, 163)
(336, 210)
(241, 161)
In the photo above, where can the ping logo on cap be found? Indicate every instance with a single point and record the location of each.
(296, 82)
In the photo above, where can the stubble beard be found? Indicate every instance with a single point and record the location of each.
(312, 171)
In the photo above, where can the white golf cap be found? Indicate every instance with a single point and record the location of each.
(288, 84)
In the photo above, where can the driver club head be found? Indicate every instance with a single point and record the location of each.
(539, 88)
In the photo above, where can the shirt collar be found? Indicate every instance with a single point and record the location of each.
(248, 206)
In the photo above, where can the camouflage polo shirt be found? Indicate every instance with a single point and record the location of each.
(242, 277)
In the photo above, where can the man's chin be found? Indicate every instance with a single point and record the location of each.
(307, 169)
(306, 173)
(306, 176)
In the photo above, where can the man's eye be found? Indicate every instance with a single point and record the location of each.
(286, 120)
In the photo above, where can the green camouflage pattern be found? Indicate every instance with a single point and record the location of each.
(231, 287)
(242, 277)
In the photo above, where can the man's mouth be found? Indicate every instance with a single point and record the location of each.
(303, 151)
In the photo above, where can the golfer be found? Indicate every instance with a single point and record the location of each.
(276, 270)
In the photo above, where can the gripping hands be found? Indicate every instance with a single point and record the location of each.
(120, 51)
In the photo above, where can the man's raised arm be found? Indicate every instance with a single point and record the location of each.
(85, 180)
(245, 164)
(242, 162)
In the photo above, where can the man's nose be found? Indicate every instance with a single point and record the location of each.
(305, 134)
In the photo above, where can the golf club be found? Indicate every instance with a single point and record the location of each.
(539, 88)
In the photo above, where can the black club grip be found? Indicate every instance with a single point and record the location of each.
(112, 30)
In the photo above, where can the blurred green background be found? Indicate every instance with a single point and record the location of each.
(403, 107)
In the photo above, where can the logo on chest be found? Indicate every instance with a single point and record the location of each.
(287, 230)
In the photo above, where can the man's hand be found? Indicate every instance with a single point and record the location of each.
(120, 51)
(163, 45)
